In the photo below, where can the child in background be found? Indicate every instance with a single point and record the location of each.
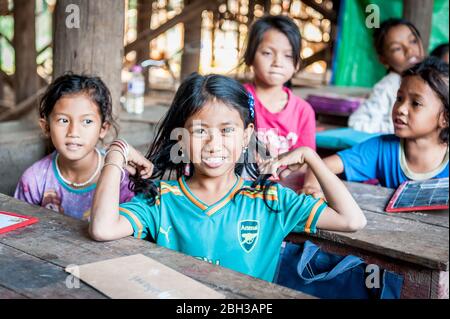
(418, 150)
(399, 47)
(211, 213)
(283, 121)
(76, 113)
(441, 52)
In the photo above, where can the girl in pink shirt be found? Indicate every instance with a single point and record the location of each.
(283, 121)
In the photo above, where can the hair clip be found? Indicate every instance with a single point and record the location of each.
(251, 105)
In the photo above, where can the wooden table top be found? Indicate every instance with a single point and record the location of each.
(421, 238)
(33, 259)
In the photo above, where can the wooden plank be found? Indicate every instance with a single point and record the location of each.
(32, 277)
(6, 293)
(375, 199)
(64, 241)
(405, 240)
(417, 281)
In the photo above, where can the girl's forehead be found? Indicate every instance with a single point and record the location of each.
(275, 38)
(415, 85)
(398, 33)
(215, 113)
(76, 104)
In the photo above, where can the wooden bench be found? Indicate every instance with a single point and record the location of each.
(415, 245)
(33, 260)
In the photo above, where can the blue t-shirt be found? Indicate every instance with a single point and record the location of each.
(237, 232)
(383, 158)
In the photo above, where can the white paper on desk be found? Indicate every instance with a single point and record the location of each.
(140, 277)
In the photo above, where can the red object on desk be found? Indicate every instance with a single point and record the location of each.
(28, 220)
(428, 195)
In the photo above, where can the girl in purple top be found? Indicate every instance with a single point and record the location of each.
(75, 114)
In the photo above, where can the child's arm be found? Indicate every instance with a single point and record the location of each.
(311, 185)
(343, 213)
(106, 223)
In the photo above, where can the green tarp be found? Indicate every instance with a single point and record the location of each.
(356, 62)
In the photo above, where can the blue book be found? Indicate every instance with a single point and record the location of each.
(342, 138)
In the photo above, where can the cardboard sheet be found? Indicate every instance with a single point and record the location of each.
(140, 277)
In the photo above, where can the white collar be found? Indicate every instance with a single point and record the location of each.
(419, 176)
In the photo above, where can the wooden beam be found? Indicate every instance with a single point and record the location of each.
(267, 4)
(329, 14)
(320, 55)
(25, 76)
(420, 13)
(4, 7)
(6, 79)
(144, 18)
(190, 60)
(44, 48)
(23, 107)
(251, 12)
(95, 46)
(188, 13)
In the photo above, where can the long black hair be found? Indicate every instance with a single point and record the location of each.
(434, 72)
(189, 99)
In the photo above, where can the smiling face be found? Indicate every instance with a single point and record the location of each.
(273, 64)
(217, 139)
(418, 111)
(74, 126)
(401, 49)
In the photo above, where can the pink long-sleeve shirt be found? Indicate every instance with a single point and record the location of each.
(292, 127)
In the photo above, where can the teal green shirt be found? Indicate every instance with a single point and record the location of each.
(238, 232)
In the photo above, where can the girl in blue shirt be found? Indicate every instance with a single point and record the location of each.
(418, 150)
(208, 211)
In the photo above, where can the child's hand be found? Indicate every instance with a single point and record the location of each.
(139, 163)
(286, 163)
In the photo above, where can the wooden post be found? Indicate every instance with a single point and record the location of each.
(420, 13)
(144, 18)
(190, 60)
(251, 13)
(93, 46)
(267, 6)
(26, 81)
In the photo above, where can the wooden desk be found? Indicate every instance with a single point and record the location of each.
(415, 245)
(33, 259)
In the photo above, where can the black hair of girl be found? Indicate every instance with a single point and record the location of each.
(280, 23)
(380, 33)
(440, 50)
(192, 95)
(72, 84)
(434, 72)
